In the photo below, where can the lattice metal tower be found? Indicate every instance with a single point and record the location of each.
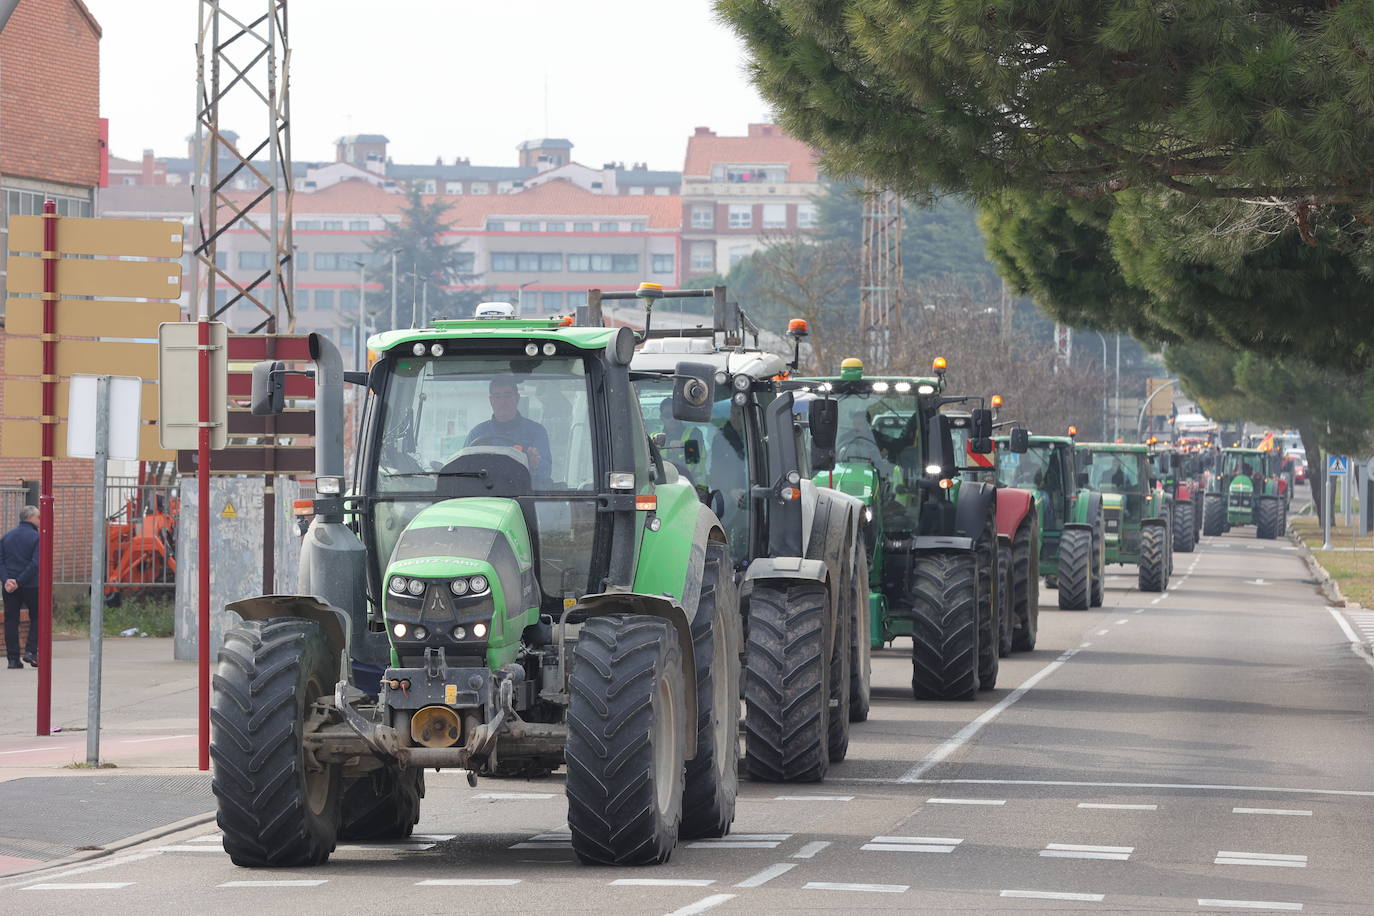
(880, 282)
(242, 64)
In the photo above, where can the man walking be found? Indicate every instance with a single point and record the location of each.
(19, 571)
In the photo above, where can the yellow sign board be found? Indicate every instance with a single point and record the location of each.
(140, 238)
(229, 511)
(24, 398)
(24, 356)
(90, 317)
(1161, 406)
(110, 279)
(24, 439)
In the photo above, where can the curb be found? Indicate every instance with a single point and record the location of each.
(1327, 585)
(117, 846)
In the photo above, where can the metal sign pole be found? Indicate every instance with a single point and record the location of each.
(1346, 496)
(102, 452)
(1327, 493)
(49, 453)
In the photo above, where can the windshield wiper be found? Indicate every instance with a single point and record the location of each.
(481, 475)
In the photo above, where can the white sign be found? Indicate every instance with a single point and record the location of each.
(1337, 465)
(126, 398)
(178, 368)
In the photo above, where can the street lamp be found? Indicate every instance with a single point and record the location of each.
(520, 297)
(1140, 420)
(394, 252)
(1104, 382)
(359, 361)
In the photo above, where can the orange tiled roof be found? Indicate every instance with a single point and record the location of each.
(707, 150)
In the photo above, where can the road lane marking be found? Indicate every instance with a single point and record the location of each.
(468, 882)
(1074, 851)
(1277, 790)
(903, 847)
(1121, 621)
(99, 866)
(1084, 645)
(512, 796)
(861, 888)
(808, 798)
(1160, 598)
(90, 886)
(188, 848)
(1109, 807)
(810, 850)
(1356, 645)
(1139, 610)
(1251, 905)
(768, 874)
(912, 844)
(147, 740)
(1053, 895)
(385, 847)
(1103, 632)
(208, 838)
(965, 734)
(702, 905)
(941, 840)
(663, 882)
(1292, 811)
(564, 845)
(309, 882)
(722, 844)
(1278, 860)
(966, 801)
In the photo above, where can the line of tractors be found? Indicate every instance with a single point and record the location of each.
(656, 559)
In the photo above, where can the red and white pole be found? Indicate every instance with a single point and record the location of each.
(203, 524)
(43, 718)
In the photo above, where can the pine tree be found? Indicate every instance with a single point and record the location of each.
(434, 279)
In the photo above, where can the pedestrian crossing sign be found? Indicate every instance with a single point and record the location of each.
(1338, 465)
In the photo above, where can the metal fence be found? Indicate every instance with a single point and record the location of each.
(139, 529)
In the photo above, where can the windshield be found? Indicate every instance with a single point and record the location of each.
(882, 430)
(1116, 472)
(533, 413)
(1241, 463)
(1029, 471)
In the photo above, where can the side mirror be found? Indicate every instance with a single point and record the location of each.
(981, 427)
(1082, 479)
(269, 388)
(941, 444)
(694, 392)
(980, 446)
(1019, 443)
(691, 451)
(823, 420)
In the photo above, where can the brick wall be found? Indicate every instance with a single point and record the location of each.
(50, 93)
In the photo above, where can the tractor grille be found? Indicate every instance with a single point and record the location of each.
(1241, 500)
(1112, 521)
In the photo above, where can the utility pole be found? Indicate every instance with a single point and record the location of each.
(359, 362)
(880, 278)
(394, 252)
(1116, 422)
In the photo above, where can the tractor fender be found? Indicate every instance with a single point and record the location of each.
(974, 501)
(611, 604)
(335, 622)
(1013, 506)
(1087, 507)
(767, 568)
(940, 542)
(1158, 521)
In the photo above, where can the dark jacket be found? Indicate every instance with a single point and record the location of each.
(19, 555)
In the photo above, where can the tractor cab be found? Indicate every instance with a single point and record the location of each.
(1136, 509)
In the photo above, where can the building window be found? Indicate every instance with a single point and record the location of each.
(663, 263)
(428, 186)
(465, 262)
(348, 301)
(503, 261)
(555, 227)
(479, 187)
(453, 187)
(775, 216)
(703, 217)
(806, 216)
(576, 299)
(529, 227)
(638, 227)
(661, 191)
(252, 260)
(530, 261)
(741, 216)
(583, 227)
(637, 190)
(324, 299)
(332, 225)
(589, 263)
(359, 225)
(610, 227)
(307, 225)
(504, 187)
(703, 256)
(738, 253)
(625, 263)
(553, 302)
(335, 260)
(495, 225)
(302, 260)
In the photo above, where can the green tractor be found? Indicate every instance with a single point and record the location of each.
(515, 580)
(1248, 489)
(1180, 472)
(1072, 551)
(932, 537)
(797, 549)
(1137, 511)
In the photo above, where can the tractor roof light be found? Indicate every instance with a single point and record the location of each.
(649, 291)
(852, 369)
(798, 327)
(902, 387)
(996, 401)
(939, 364)
(1073, 431)
(880, 387)
(925, 389)
(933, 469)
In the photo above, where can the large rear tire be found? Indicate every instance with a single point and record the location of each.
(837, 741)
(708, 797)
(625, 749)
(382, 805)
(1025, 584)
(861, 643)
(944, 631)
(1185, 534)
(1006, 617)
(1098, 592)
(1075, 569)
(1154, 559)
(787, 683)
(1268, 517)
(1213, 515)
(989, 605)
(276, 809)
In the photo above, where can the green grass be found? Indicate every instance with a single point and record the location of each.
(152, 616)
(1353, 572)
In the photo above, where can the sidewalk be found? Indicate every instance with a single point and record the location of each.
(148, 731)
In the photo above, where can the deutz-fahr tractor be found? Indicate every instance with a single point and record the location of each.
(1018, 533)
(1073, 531)
(514, 579)
(1179, 471)
(797, 549)
(1137, 511)
(932, 539)
(1248, 489)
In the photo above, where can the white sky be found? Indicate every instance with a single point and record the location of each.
(626, 79)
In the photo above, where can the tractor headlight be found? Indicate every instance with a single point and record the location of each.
(400, 630)
(418, 349)
(902, 387)
(398, 585)
(458, 587)
(479, 630)
(925, 389)
(415, 587)
(329, 486)
(460, 633)
(477, 584)
(933, 469)
(419, 633)
(742, 382)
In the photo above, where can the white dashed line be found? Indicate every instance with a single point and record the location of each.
(513, 796)
(722, 844)
(810, 798)
(1139, 610)
(1356, 645)
(911, 844)
(387, 847)
(1277, 860)
(212, 838)
(1251, 905)
(663, 882)
(862, 888)
(966, 801)
(768, 874)
(468, 882)
(1103, 632)
(1084, 645)
(314, 882)
(1073, 851)
(84, 869)
(188, 848)
(810, 850)
(1121, 621)
(702, 905)
(1292, 811)
(91, 886)
(1184, 786)
(1053, 895)
(1160, 598)
(1108, 807)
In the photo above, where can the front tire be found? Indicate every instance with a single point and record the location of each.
(861, 644)
(1099, 573)
(944, 631)
(708, 797)
(1268, 516)
(275, 809)
(382, 805)
(1075, 569)
(1185, 534)
(1154, 560)
(988, 606)
(787, 683)
(625, 750)
(1213, 515)
(837, 741)
(1025, 585)
(1006, 617)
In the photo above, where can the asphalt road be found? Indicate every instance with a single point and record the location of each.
(1206, 750)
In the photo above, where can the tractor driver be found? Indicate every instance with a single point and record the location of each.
(509, 428)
